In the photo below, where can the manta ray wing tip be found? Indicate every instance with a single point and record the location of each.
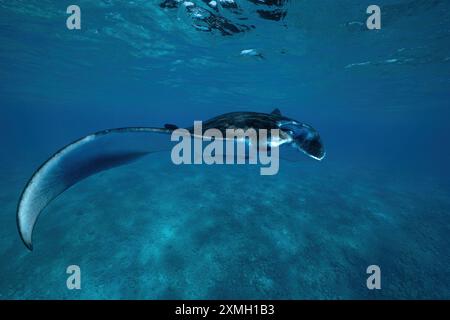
(27, 242)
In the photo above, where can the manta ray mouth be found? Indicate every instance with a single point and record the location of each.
(314, 155)
(320, 158)
(304, 138)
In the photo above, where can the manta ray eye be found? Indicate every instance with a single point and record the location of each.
(293, 129)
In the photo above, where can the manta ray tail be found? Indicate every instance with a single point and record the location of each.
(83, 158)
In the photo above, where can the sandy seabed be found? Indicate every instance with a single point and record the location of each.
(153, 230)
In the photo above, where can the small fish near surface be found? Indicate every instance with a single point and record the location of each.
(252, 53)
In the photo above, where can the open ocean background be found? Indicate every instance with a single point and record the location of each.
(152, 230)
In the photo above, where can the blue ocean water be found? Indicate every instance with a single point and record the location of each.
(153, 230)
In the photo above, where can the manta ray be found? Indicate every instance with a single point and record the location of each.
(111, 148)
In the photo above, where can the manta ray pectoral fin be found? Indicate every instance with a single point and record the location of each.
(83, 158)
(276, 111)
